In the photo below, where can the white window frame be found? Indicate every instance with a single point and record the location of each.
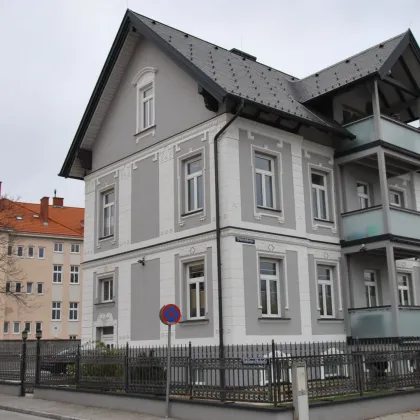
(332, 269)
(147, 103)
(36, 324)
(143, 81)
(56, 309)
(59, 274)
(74, 274)
(73, 311)
(196, 281)
(32, 287)
(39, 252)
(6, 327)
(363, 196)
(103, 281)
(268, 278)
(319, 188)
(14, 330)
(17, 251)
(402, 288)
(199, 376)
(37, 288)
(33, 251)
(194, 176)
(264, 174)
(369, 284)
(399, 193)
(108, 231)
(58, 247)
(30, 326)
(76, 246)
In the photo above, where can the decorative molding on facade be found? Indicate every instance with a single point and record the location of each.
(179, 138)
(146, 133)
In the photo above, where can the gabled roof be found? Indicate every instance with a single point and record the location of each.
(26, 218)
(374, 60)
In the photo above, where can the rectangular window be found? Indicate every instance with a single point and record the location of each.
(74, 274)
(396, 198)
(72, 337)
(40, 288)
(28, 326)
(16, 327)
(264, 181)
(31, 252)
(75, 248)
(6, 326)
(196, 290)
(198, 377)
(38, 326)
(57, 273)
(18, 287)
(20, 251)
(29, 286)
(8, 286)
(58, 247)
(108, 213)
(269, 287)
(147, 107)
(10, 250)
(107, 290)
(325, 291)
(74, 311)
(371, 291)
(363, 195)
(194, 184)
(319, 196)
(41, 252)
(404, 289)
(56, 311)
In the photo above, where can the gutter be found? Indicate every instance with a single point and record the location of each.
(218, 239)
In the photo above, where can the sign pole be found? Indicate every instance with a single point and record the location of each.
(168, 371)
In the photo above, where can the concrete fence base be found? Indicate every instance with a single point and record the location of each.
(349, 409)
(11, 388)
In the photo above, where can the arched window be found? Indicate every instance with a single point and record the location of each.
(145, 97)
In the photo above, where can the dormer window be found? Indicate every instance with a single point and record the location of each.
(145, 93)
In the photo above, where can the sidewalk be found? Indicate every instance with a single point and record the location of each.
(63, 411)
(412, 415)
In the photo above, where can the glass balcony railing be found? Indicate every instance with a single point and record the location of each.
(409, 321)
(362, 224)
(404, 222)
(393, 132)
(371, 322)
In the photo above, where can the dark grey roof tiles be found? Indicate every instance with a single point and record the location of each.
(346, 71)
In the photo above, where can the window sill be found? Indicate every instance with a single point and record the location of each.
(199, 321)
(57, 282)
(104, 238)
(323, 220)
(145, 132)
(110, 303)
(56, 320)
(269, 209)
(73, 320)
(270, 319)
(190, 213)
(74, 284)
(332, 320)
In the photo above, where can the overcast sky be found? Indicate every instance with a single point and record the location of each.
(53, 50)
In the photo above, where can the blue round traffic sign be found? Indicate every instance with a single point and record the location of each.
(170, 314)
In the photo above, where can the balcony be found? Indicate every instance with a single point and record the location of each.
(377, 323)
(366, 223)
(395, 133)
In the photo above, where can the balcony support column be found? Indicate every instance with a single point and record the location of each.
(376, 111)
(383, 181)
(348, 300)
(393, 289)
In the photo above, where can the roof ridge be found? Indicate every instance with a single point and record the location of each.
(211, 43)
(353, 56)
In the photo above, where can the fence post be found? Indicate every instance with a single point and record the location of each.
(77, 369)
(23, 364)
(358, 356)
(300, 391)
(126, 367)
(190, 385)
(273, 372)
(38, 358)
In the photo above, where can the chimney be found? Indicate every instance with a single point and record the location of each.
(44, 209)
(58, 202)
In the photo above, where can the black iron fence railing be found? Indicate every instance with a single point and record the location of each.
(252, 373)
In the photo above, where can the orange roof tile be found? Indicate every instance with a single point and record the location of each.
(62, 221)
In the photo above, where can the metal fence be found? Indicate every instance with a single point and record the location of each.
(247, 373)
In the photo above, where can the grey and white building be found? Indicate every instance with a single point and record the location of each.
(317, 190)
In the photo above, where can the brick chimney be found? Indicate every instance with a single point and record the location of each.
(44, 209)
(58, 202)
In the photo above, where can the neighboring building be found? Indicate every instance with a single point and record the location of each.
(45, 244)
(318, 193)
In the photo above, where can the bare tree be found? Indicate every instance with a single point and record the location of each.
(10, 270)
